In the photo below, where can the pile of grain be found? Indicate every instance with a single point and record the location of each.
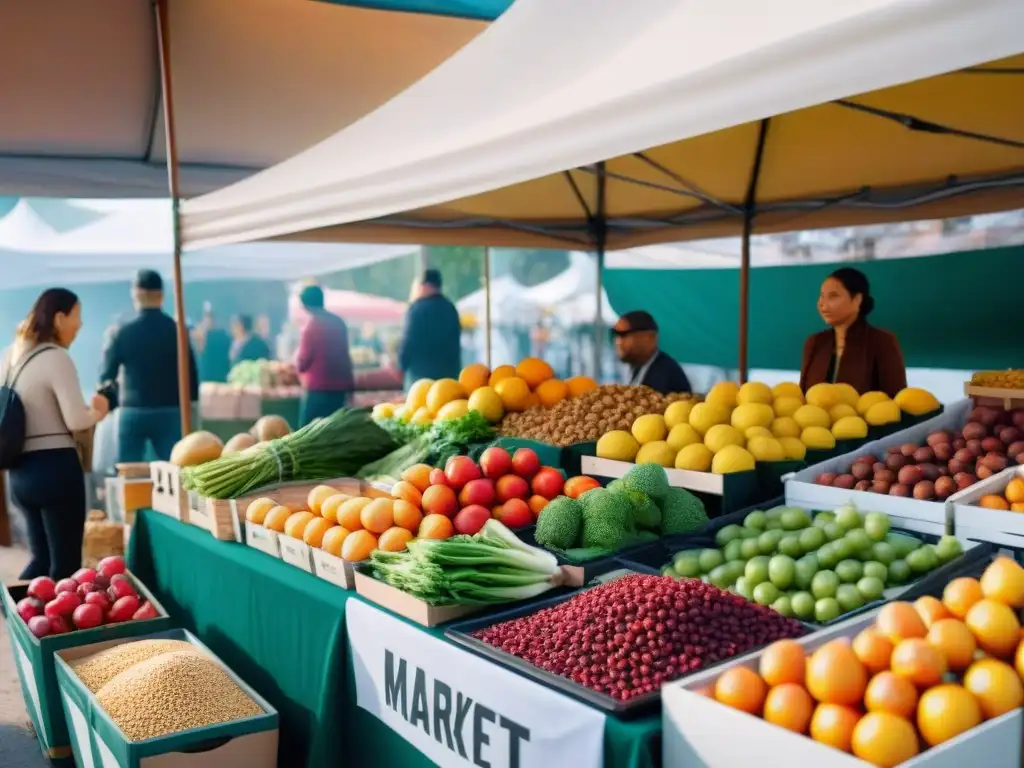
(98, 669)
(586, 418)
(173, 692)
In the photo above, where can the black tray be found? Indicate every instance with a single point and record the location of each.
(460, 632)
(591, 569)
(653, 557)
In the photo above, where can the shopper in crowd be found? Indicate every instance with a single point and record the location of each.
(636, 344)
(213, 344)
(246, 345)
(431, 346)
(48, 481)
(144, 352)
(852, 351)
(323, 361)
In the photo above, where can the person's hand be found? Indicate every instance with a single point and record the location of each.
(100, 405)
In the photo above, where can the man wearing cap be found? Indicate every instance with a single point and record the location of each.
(143, 355)
(431, 347)
(636, 344)
(323, 361)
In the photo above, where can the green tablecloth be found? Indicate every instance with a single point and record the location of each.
(283, 632)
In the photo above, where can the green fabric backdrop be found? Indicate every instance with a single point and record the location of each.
(957, 310)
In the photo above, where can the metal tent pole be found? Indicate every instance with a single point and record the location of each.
(749, 207)
(488, 344)
(163, 46)
(600, 240)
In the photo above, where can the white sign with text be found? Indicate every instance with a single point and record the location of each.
(462, 710)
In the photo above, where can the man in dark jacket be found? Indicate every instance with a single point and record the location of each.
(323, 361)
(143, 353)
(431, 347)
(636, 344)
(246, 345)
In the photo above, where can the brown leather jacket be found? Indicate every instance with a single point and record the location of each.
(872, 360)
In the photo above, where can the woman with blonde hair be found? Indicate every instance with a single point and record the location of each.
(47, 481)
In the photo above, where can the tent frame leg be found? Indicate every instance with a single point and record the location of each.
(600, 232)
(161, 15)
(488, 344)
(749, 211)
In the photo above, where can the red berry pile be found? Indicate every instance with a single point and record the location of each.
(628, 637)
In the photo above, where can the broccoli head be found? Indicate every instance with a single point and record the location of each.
(682, 512)
(649, 479)
(646, 514)
(560, 524)
(616, 486)
(607, 519)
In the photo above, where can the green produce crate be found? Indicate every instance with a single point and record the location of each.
(249, 742)
(572, 457)
(34, 660)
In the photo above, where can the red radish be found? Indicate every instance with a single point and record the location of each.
(477, 492)
(119, 577)
(548, 482)
(58, 625)
(67, 585)
(471, 519)
(515, 513)
(123, 609)
(87, 616)
(28, 607)
(99, 598)
(460, 470)
(63, 604)
(42, 588)
(84, 575)
(39, 626)
(495, 462)
(512, 487)
(102, 581)
(111, 566)
(437, 477)
(147, 611)
(85, 588)
(120, 588)
(525, 463)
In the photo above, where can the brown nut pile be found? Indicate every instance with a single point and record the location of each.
(97, 669)
(586, 418)
(173, 692)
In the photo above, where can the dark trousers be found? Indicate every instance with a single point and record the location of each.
(319, 404)
(139, 427)
(49, 488)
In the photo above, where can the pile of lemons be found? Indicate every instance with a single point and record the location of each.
(736, 426)
(506, 389)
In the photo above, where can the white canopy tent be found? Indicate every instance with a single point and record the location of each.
(602, 79)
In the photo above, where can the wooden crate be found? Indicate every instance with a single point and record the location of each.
(169, 497)
(1008, 399)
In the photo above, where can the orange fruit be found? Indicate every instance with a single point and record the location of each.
(378, 515)
(1014, 491)
(884, 739)
(257, 511)
(313, 533)
(330, 506)
(995, 626)
(317, 496)
(1003, 581)
(406, 491)
(954, 639)
(333, 540)
(406, 515)
(501, 373)
(474, 376)
(742, 689)
(946, 711)
(580, 385)
(996, 685)
(1017, 506)
(514, 393)
(552, 392)
(873, 649)
(900, 621)
(836, 676)
(296, 524)
(888, 692)
(960, 594)
(931, 609)
(394, 539)
(436, 527)
(534, 371)
(1018, 659)
(418, 475)
(833, 725)
(276, 518)
(789, 706)
(993, 501)
(537, 504)
(358, 545)
(784, 661)
(577, 486)
(919, 662)
(350, 513)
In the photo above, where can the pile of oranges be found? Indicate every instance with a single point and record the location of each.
(1012, 498)
(923, 674)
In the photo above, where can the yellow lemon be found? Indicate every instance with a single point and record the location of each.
(695, 458)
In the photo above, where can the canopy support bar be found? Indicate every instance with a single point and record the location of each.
(163, 46)
(600, 240)
(686, 188)
(749, 209)
(487, 305)
(926, 126)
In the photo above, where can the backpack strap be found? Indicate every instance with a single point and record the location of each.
(14, 371)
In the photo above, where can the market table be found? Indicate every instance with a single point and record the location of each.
(283, 631)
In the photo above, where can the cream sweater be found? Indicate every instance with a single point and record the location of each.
(52, 396)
